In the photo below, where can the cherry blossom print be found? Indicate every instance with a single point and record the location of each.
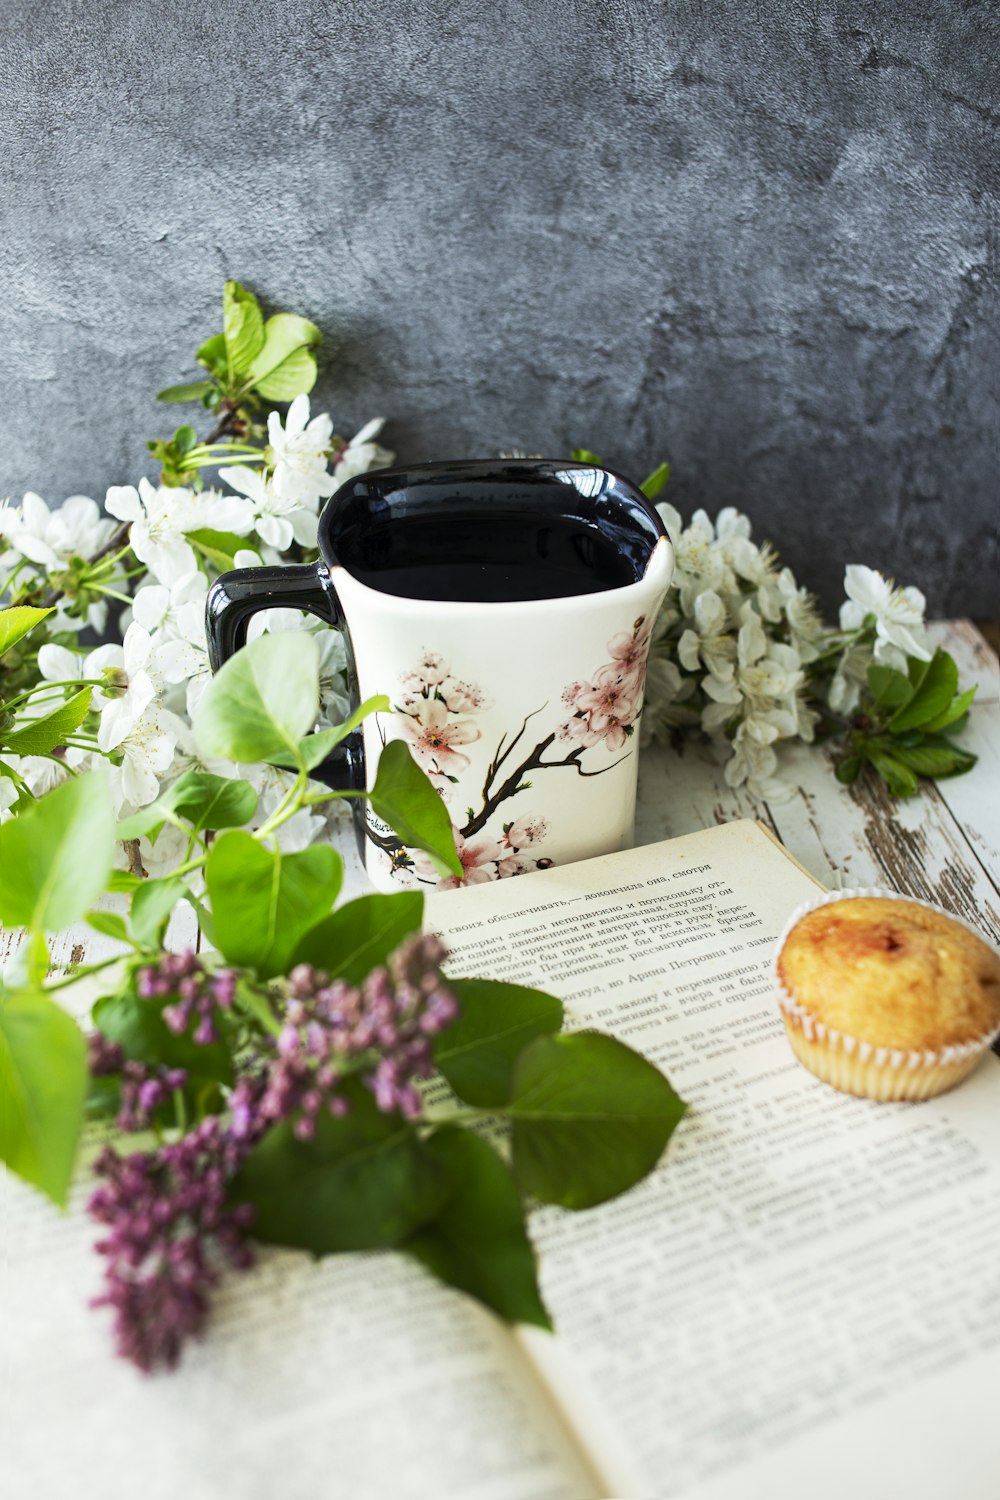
(433, 739)
(605, 710)
(435, 710)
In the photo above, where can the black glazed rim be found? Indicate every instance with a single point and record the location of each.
(375, 491)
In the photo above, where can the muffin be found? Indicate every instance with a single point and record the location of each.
(886, 997)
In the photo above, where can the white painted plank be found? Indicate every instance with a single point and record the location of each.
(974, 800)
(683, 792)
(865, 837)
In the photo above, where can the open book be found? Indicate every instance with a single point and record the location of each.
(804, 1298)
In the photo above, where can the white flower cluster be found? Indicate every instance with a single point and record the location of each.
(737, 637)
(147, 688)
(730, 648)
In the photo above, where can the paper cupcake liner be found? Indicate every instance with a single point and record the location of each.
(858, 1067)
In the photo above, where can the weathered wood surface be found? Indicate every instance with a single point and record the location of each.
(942, 845)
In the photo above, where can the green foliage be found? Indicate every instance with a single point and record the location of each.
(40, 735)
(478, 1240)
(263, 701)
(251, 364)
(56, 856)
(363, 1182)
(405, 798)
(16, 622)
(263, 902)
(152, 904)
(217, 547)
(479, 1051)
(201, 799)
(590, 1118)
(137, 1025)
(653, 483)
(43, 1084)
(242, 327)
(904, 725)
(314, 748)
(360, 935)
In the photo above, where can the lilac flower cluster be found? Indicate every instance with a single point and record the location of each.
(170, 1229)
(199, 992)
(143, 1087)
(381, 1030)
(170, 1235)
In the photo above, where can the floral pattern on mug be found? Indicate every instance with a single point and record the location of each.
(436, 712)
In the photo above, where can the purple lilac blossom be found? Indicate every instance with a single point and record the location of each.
(199, 992)
(170, 1229)
(170, 1236)
(381, 1031)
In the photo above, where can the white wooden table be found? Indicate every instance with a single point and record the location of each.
(942, 845)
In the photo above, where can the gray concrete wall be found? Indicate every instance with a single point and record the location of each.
(757, 239)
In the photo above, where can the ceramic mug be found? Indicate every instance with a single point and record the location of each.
(506, 610)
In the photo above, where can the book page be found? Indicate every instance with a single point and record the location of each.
(804, 1298)
(355, 1378)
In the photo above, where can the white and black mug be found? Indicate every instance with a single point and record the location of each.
(506, 611)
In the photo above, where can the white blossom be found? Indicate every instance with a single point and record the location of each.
(146, 750)
(362, 453)
(299, 451)
(899, 613)
(156, 606)
(278, 519)
(160, 520)
(121, 714)
(52, 538)
(182, 657)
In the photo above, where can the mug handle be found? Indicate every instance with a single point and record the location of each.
(234, 598)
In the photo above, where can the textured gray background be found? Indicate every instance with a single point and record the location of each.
(759, 240)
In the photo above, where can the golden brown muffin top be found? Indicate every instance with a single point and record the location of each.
(893, 973)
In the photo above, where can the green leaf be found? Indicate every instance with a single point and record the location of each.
(39, 736)
(655, 482)
(219, 547)
(151, 907)
(203, 800)
(898, 778)
(16, 622)
(478, 1052)
(932, 697)
(590, 1118)
(242, 327)
(584, 456)
(404, 797)
(888, 687)
(953, 714)
(138, 1027)
(293, 377)
(263, 901)
(212, 355)
(43, 1084)
(314, 748)
(360, 935)
(478, 1241)
(123, 881)
(184, 439)
(364, 1182)
(262, 701)
(192, 390)
(848, 769)
(935, 758)
(109, 923)
(284, 335)
(56, 856)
